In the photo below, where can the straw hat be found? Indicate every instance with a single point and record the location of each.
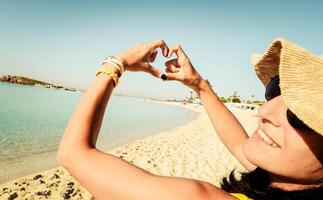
(301, 79)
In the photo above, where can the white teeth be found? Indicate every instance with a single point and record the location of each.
(267, 139)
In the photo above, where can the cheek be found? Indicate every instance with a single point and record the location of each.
(300, 156)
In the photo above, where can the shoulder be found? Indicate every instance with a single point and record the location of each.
(215, 193)
(184, 188)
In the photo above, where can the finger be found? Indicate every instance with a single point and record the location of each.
(177, 49)
(160, 44)
(172, 62)
(153, 56)
(173, 65)
(172, 68)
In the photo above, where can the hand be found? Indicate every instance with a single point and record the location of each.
(139, 57)
(181, 69)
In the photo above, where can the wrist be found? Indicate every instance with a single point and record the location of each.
(202, 86)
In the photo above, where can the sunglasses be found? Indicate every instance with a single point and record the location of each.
(272, 91)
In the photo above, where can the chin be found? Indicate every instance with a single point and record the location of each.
(256, 154)
(264, 158)
(249, 152)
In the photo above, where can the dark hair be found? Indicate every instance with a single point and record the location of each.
(256, 185)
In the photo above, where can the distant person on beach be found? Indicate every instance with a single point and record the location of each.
(283, 158)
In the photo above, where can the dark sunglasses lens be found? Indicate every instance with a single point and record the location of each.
(273, 89)
(294, 121)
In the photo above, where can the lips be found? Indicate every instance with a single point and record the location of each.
(267, 139)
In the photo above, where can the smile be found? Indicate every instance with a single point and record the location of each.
(267, 139)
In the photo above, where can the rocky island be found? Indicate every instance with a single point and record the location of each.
(32, 82)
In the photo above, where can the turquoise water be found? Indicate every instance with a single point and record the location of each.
(32, 120)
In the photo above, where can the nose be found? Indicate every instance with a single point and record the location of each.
(272, 111)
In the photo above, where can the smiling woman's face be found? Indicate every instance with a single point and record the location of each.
(277, 147)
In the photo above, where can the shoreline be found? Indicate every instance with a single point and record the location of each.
(14, 182)
(197, 110)
(28, 164)
(191, 150)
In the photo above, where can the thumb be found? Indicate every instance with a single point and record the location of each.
(154, 71)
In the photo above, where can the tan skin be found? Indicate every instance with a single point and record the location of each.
(109, 177)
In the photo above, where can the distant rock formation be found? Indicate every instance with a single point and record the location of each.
(28, 81)
(24, 81)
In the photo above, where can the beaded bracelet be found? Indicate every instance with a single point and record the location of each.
(109, 72)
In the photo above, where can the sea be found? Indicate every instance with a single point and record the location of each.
(33, 119)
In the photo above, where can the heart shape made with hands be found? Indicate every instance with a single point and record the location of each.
(140, 57)
(180, 68)
(173, 66)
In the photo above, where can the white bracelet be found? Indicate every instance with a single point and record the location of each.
(116, 62)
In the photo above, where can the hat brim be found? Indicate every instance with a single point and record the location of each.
(301, 79)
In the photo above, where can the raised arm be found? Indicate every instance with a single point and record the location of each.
(227, 127)
(106, 176)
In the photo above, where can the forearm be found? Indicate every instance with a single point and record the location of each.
(227, 127)
(84, 126)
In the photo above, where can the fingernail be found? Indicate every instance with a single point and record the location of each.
(164, 77)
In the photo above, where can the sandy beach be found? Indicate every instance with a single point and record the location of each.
(192, 150)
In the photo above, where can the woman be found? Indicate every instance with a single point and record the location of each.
(284, 156)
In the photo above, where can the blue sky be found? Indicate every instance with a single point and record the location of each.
(64, 41)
